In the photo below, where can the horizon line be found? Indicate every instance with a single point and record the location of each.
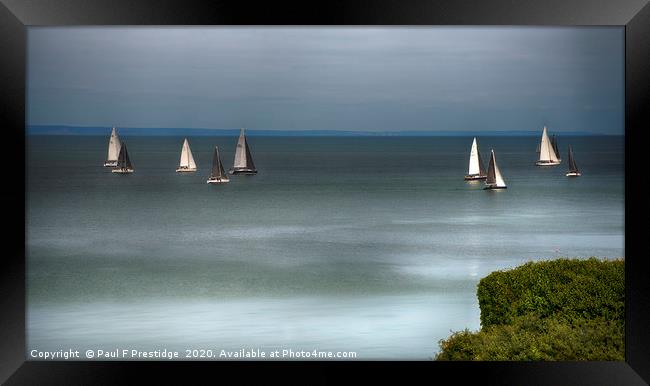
(171, 131)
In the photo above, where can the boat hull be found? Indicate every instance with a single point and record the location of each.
(122, 171)
(110, 164)
(474, 177)
(548, 163)
(217, 180)
(242, 171)
(185, 170)
(573, 174)
(494, 187)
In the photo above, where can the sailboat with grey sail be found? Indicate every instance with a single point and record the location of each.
(123, 161)
(573, 167)
(494, 179)
(217, 173)
(243, 160)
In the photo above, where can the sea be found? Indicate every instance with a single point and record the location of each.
(361, 247)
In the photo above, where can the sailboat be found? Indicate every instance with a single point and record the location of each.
(217, 174)
(494, 179)
(573, 168)
(547, 153)
(113, 149)
(123, 162)
(243, 160)
(476, 169)
(187, 163)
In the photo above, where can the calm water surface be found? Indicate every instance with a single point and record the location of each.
(373, 245)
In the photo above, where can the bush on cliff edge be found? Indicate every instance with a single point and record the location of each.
(564, 309)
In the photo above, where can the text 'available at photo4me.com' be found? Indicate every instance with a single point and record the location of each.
(188, 354)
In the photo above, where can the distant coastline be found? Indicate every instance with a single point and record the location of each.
(134, 131)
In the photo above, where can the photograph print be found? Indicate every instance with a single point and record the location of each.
(325, 193)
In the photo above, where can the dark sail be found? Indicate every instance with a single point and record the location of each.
(223, 172)
(491, 175)
(249, 160)
(127, 160)
(573, 168)
(217, 167)
(554, 144)
(123, 161)
(215, 163)
(481, 167)
(120, 157)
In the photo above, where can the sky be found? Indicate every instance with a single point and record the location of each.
(328, 78)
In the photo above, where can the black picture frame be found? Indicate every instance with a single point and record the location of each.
(17, 15)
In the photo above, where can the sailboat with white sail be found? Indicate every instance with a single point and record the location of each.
(186, 163)
(547, 153)
(243, 159)
(476, 170)
(114, 145)
(217, 174)
(123, 162)
(573, 168)
(494, 179)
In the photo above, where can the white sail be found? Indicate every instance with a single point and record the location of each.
(240, 152)
(546, 151)
(474, 167)
(187, 159)
(114, 146)
(192, 164)
(497, 173)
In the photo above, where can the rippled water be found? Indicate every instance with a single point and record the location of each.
(373, 245)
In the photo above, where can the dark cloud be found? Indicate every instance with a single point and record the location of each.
(377, 79)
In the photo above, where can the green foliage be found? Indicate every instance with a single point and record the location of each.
(551, 310)
(569, 288)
